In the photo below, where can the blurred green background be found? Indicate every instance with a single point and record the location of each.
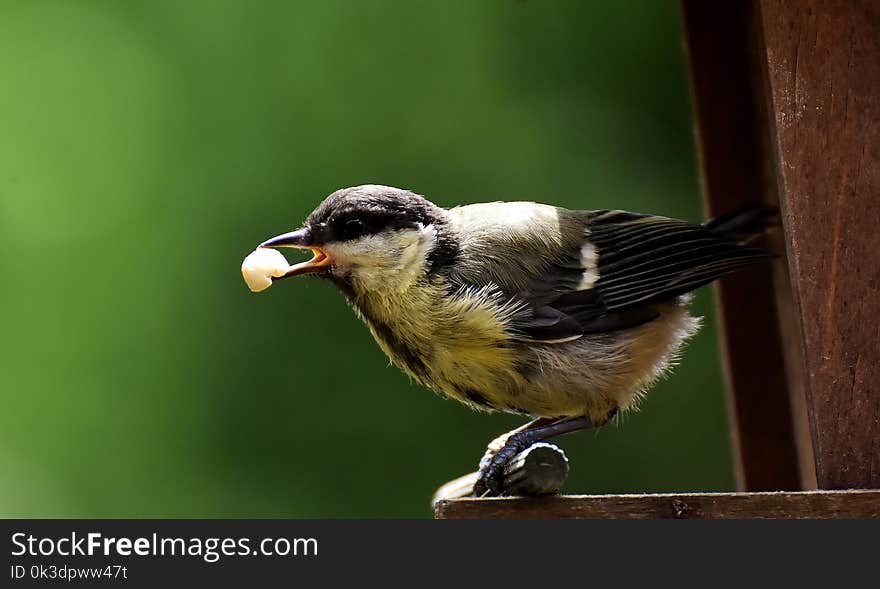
(147, 147)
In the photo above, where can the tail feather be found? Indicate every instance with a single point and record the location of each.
(746, 223)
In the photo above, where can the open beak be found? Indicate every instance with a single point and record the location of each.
(301, 239)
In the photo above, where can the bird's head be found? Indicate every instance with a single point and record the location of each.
(371, 238)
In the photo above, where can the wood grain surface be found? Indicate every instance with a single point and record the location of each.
(823, 74)
(789, 505)
(761, 346)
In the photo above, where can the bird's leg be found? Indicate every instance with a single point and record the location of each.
(505, 447)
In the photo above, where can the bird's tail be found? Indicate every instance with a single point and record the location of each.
(745, 224)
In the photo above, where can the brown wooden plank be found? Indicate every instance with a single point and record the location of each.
(823, 71)
(790, 505)
(761, 348)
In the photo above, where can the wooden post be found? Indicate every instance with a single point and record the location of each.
(766, 406)
(823, 71)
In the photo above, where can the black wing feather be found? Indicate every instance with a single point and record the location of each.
(642, 260)
(666, 259)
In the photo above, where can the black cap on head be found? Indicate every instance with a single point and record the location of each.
(351, 213)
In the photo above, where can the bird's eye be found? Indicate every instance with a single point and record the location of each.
(352, 229)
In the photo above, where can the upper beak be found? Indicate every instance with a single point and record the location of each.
(301, 239)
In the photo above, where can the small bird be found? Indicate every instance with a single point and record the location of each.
(566, 316)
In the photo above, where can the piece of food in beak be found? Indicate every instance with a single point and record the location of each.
(261, 266)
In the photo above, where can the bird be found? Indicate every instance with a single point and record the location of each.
(564, 316)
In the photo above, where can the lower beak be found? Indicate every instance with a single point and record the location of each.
(301, 239)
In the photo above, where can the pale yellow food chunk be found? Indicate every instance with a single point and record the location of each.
(261, 266)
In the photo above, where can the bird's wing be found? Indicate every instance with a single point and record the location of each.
(625, 264)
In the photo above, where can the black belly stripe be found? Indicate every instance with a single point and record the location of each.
(343, 283)
(518, 410)
(478, 399)
(409, 357)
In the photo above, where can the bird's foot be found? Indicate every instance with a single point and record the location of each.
(490, 475)
(499, 452)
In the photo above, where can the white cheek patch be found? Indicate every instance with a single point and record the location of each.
(387, 261)
(418, 247)
(589, 257)
(365, 252)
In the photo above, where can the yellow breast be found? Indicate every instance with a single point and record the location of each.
(456, 345)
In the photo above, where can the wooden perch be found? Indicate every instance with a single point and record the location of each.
(791, 505)
(540, 469)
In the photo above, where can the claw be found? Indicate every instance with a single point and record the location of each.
(503, 448)
(491, 471)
